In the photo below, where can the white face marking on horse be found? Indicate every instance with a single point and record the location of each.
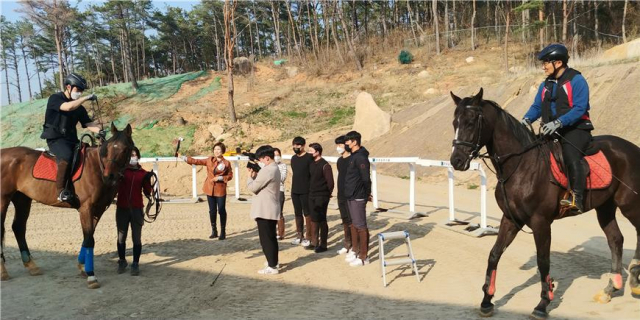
(456, 137)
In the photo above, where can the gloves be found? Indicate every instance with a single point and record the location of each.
(551, 127)
(102, 135)
(184, 158)
(525, 122)
(219, 178)
(92, 97)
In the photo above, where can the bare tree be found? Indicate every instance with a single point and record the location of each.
(473, 27)
(349, 40)
(624, 18)
(275, 14)
(229, 41)
(434, 4)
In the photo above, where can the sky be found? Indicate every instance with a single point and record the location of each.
(8, 9)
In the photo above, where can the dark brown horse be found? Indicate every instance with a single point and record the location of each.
(526, 196)
(96, 188)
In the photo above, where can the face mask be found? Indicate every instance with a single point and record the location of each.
(75, 95)
(133, 161)
(297, 150)
(347, 148)
(340, 150)
(261, 164)
(277, 159)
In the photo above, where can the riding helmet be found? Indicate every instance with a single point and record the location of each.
(76, 80)
(554, 52)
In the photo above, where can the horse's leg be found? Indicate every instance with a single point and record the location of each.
(608, 223)
(506, 234)
(4, 206)
(88, 243)
(633, 214)
(542, 236)
(22, 203)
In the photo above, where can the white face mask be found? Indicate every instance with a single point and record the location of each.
(277, 159)
(75, 95)
(340, 150)
(133, 161)
(261, 164)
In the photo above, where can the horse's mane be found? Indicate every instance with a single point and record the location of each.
(520, 132)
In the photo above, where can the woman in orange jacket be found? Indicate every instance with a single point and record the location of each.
(219, 172)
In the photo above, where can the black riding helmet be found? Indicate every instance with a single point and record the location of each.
(554, 52)
(76, 80)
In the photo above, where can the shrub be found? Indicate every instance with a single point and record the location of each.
(405, 57)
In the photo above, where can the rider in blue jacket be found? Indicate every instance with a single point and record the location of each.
(562, 102)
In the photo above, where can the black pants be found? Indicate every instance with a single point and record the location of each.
(268, 240)
(217, 204)
(124, 218)
(319, 206)
(574, 144)
(62, 149)
(344, 211)
(281, 204)
(300, 208)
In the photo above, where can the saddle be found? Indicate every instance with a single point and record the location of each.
(599, 177)
(46, 167)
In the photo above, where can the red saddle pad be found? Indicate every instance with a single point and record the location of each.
(47, 169)
(599, 177)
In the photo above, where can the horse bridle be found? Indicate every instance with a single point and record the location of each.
(476, 146)
(102, 166)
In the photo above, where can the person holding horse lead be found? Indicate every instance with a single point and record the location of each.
(129, 211)
(64, 111)
(563, 103)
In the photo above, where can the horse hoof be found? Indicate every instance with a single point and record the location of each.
(33, 268)
(602, 297)
(93, 284)
(486, 312)
(538, 315)
(81, 268)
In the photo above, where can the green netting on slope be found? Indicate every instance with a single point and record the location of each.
(21, 124)
(215, 85)
(150, 89)
(158, 141)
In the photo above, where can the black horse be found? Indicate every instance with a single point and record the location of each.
(527, 197)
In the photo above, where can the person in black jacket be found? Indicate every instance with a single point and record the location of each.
(300, 163)
(320, 190)
(64, 111)
(342, 164)
(357, 189)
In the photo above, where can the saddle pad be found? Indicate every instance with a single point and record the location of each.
(599, 177)
(47, 169)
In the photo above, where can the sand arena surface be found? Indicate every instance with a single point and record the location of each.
(179, 263)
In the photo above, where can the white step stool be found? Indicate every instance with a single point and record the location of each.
(394, 260)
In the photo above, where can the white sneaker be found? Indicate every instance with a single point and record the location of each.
(305, 243)
(343, 251)
(268, 270)
(295, 241)
(359, 262)
(266, 264)
(351, 256)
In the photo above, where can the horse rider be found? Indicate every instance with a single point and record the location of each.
(64, 111)
(563, 103)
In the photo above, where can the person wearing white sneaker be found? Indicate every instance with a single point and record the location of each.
(359, 262)
(358, 192)
(342, 199)
(265, 205)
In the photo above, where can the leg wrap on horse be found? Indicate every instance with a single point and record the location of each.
(82, 255)
(26, 256)
(88, 262)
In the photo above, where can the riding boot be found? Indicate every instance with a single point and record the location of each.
(324, 234)
(308, 222)
(223, 226)
(347, 236)
(63, 193)
(299, 228)
(578, 179)
(355, 241)
(363, 235)
(312, 227)
(214, 231)
(281, 228)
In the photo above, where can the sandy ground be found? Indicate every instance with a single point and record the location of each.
(179, 264)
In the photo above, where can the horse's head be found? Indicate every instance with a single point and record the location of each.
(472, 131)
(115, 154)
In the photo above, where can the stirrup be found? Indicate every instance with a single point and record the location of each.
(570, 203)
(65, 195)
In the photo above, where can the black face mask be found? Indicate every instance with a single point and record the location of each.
(297, 150)
(347, 148)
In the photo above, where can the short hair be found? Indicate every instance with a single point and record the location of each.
(265, 151)
(277, 149)
(316, 146)
(221, 145)
(353, 135)
(299, 140)
(340, 140)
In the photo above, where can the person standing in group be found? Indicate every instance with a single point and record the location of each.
(283, 176)
(129, 211)
(219, 173)
(300, 164)
(357, 189)
(265, 205)
(320, 190)
(345, 216)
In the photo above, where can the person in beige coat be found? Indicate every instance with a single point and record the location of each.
(265, 205)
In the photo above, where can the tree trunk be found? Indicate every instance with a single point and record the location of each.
(348, 39)
(216, 42)
(257, 30)
(565, 15)
(541, 31)
(113, 63)
(6, 76)
(229, 13)
(26, 68)
(595, 18)
(58, 38)
(624, 18)
(473, 27)
(15, 67)
(275, 14)
(506, 36)
(434, 6)
(127, 47)
(334, 33)
(293, 29)
(413, 30)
